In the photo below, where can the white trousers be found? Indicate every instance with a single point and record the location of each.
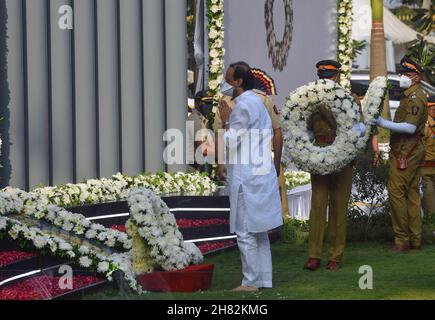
(254, 251)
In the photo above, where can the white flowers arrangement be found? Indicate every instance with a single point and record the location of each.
(39, 207)
(215, 15)
(158, 228)
(149, 212)
(345, 44)
(372, 106)
(104, 263)
(294, 179)
(278, 50)
(303, 102)
(119, 186)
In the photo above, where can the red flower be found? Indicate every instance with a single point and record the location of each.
(9, 257)
(43, 287)
(197, 223)
(207, 246)
(120, 228)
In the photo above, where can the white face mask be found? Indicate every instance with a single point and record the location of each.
(405, 82)
(227, 89)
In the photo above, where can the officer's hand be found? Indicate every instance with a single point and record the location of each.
(221, 172)
(224, 111)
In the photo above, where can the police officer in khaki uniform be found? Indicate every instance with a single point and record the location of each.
(406, 157)
(428, 170)
(228, 102)
(199, 119)
(331, 190)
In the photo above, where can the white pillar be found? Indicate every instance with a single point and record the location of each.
(176, 69)
(154, 83)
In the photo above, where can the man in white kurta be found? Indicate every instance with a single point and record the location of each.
(253, 183)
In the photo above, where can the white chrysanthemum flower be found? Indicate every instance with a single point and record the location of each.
(91, 234)
(3, 223)
(103, 267)
(39, 242)
(85, 262)
(84, 250)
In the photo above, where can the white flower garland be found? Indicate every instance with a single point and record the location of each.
(302, 103)
(119, 186)
(158, 227)
(215, 15)
(372, 107)
(345, 45)
(298, 147)
(39, 207)
(81, 255)
(169, 251)
(278, 50)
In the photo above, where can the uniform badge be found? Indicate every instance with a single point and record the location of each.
(276, 110)
(415, 110)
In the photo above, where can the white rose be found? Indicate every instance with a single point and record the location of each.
(215, 9)
(213, 34)
(213, 84)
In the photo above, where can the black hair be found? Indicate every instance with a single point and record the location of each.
(242, 70)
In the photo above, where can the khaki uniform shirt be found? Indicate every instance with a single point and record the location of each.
(267, 101)
(322, 123)
(199, 122)
(413, 110)
(429, 139)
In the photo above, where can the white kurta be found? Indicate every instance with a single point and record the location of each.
(256, 179)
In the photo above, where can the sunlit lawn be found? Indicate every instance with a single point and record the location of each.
(402, 276)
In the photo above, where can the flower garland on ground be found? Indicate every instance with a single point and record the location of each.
(278, 50)
(215, 15)
(82, 255)
(304, 101)
(345, 45)
(38, 206)
(169, 253)
(158, 228)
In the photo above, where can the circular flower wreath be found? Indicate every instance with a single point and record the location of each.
(278, 51)
(301, 104)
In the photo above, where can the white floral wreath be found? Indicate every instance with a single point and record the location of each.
(158, 228)
(300, 105)
(278, 51)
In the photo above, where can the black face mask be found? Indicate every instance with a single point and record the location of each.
(326, 74)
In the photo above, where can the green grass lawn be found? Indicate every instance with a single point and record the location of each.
(401, 276)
